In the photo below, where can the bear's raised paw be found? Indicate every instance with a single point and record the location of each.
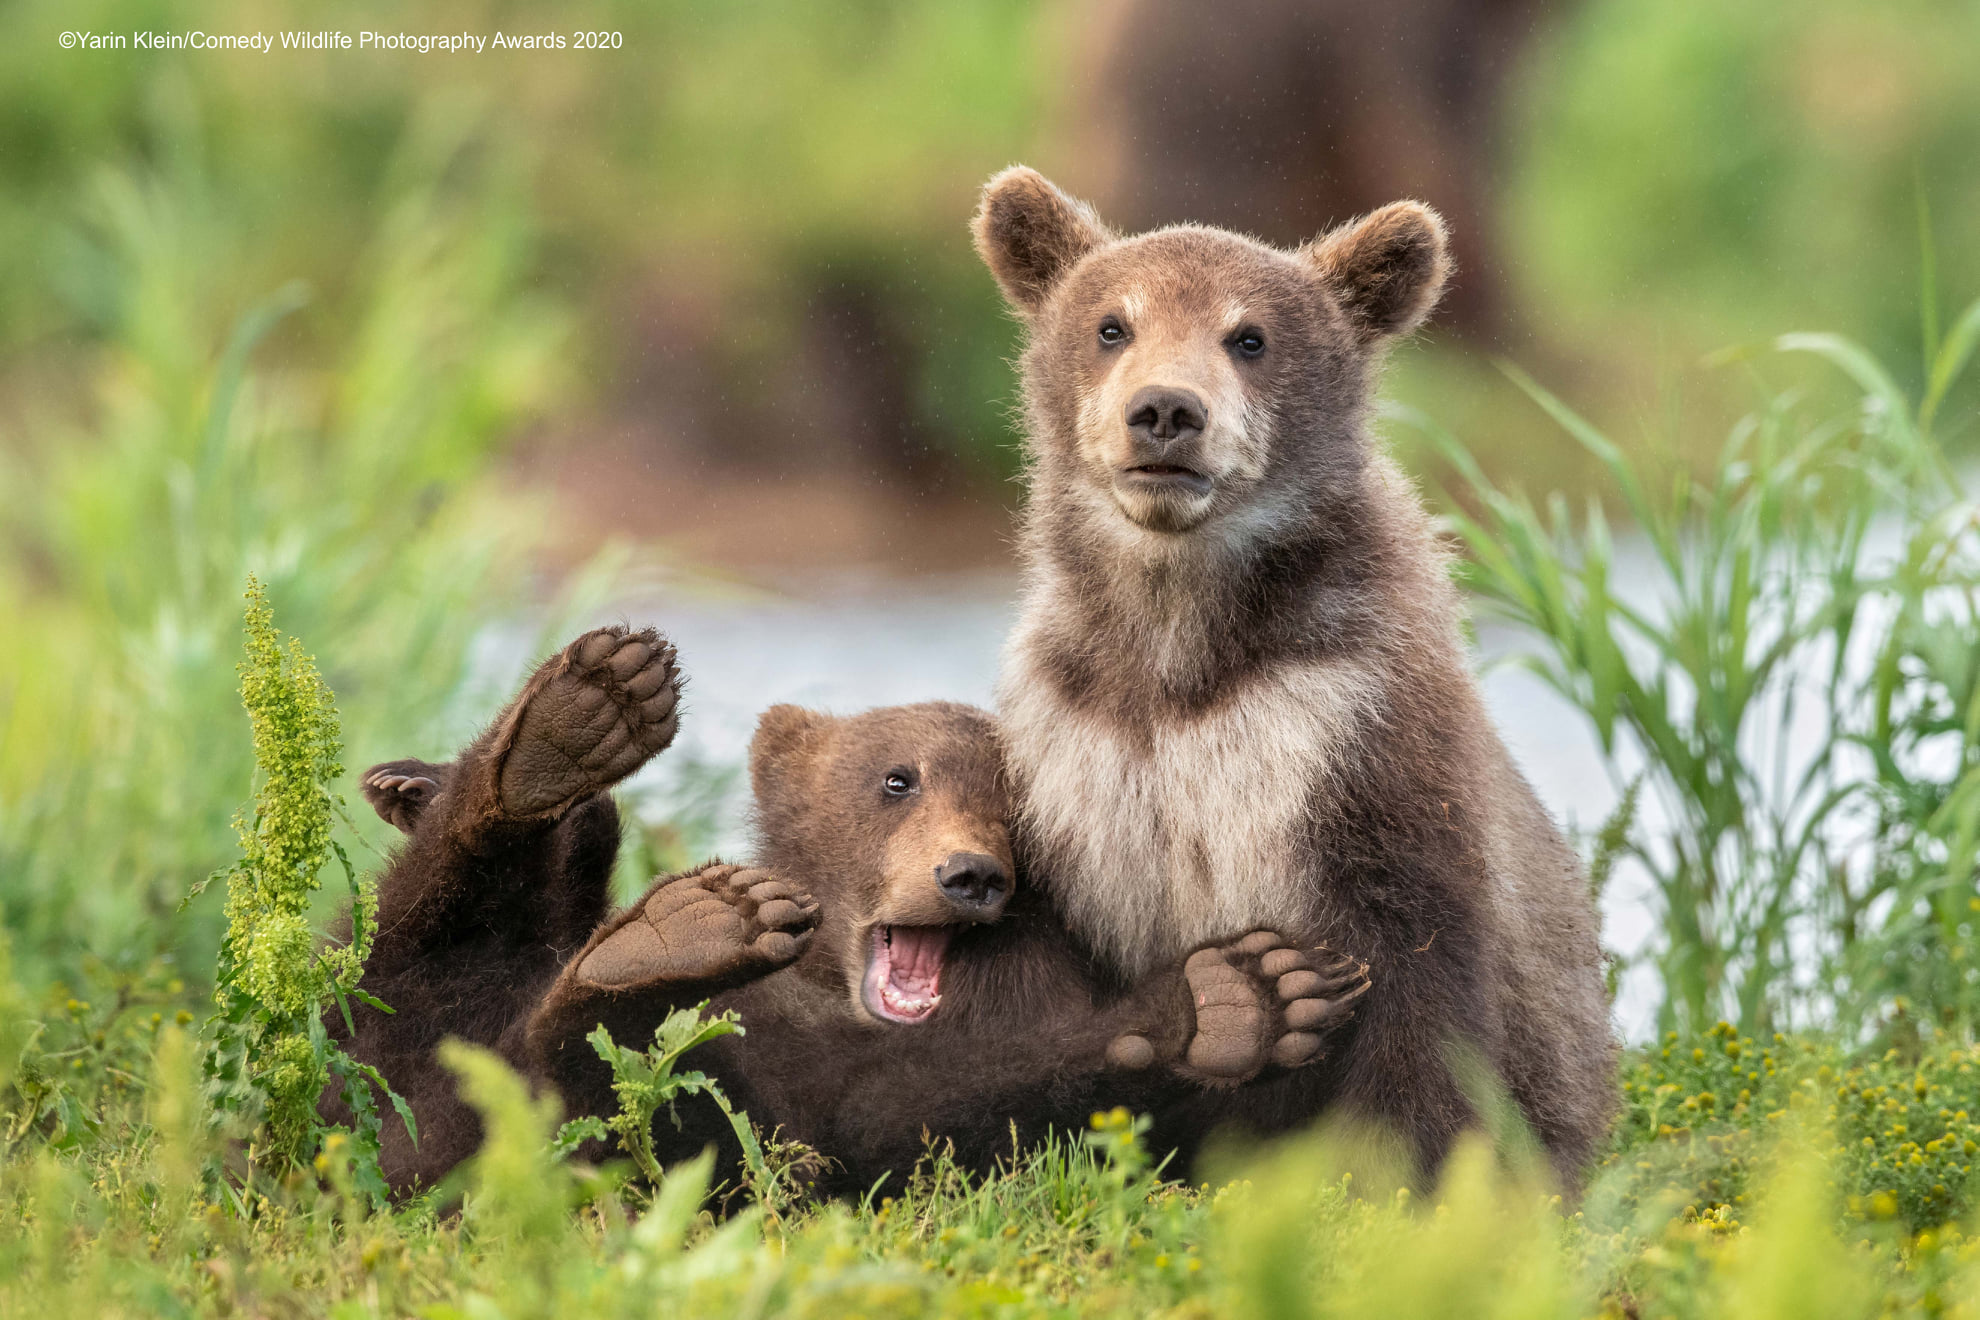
(719, 923)
(603, 707)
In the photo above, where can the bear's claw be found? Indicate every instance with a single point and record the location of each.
(597, 712)
(400, 790)
(1259, 1000)
(718, 922)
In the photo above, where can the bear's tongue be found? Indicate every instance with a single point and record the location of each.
(906, 971)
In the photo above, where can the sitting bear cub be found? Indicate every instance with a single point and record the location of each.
(1237, 693)
(895, 980)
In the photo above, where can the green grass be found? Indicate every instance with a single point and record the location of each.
(1780, 655)
(1744, 1179)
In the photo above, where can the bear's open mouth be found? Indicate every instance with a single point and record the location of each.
(1162, 476)
(904, 972)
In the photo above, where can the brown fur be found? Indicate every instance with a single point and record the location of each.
(1237, 694)
(495, 935)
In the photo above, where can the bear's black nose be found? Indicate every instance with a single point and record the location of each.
(975, 881)
(1157, 415)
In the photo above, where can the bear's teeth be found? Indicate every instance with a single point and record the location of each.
(903, 1003)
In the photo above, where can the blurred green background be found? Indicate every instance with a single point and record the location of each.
(413, 337)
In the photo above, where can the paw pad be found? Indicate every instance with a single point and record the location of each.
(597, 712)
(1259, 1000)
(719, 921)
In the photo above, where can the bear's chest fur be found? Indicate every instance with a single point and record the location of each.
(1157, 840)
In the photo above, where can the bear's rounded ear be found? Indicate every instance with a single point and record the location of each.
(1387, 269)
(783, 735)
(1030, 234)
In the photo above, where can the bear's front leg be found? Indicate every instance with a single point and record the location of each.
(1257, 1002)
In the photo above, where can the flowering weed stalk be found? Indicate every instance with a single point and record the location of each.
(269, 1056)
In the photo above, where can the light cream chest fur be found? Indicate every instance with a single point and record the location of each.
(1155, 846)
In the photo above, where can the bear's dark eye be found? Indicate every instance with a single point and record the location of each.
(1112, 331)
(899, 782)
(1249, 342)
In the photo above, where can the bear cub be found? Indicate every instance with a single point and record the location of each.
(1238, 693)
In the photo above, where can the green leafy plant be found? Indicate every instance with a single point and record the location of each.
(270, 1057)
(645, 1081)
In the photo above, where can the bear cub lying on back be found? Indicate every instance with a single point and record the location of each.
(894, 978)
